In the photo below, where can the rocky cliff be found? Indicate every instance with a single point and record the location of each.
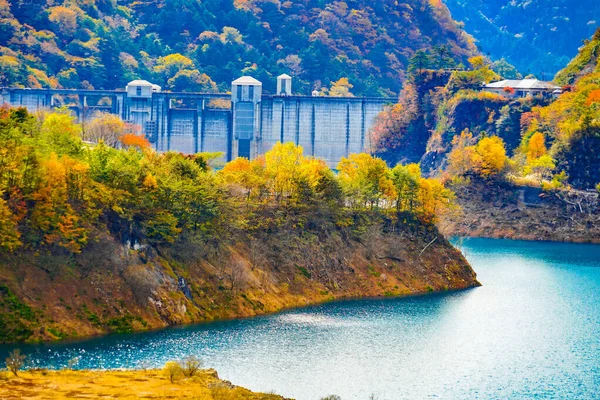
(111, 287)
(501, 210)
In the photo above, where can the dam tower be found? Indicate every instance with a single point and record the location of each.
(246, 99)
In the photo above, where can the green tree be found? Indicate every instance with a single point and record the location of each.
(419, 62)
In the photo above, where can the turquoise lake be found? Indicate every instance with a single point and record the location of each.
(531, 331)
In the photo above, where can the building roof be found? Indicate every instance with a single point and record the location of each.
(522, 84)
(246, 80)
(139, 82)
(284, 76)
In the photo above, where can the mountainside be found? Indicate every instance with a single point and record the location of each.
(110, 287)
(586, 62)
(495, 148)
(436, 106)
(201, 46)
(546, 138)
(537, 36)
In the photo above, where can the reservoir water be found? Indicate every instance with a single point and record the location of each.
(531, 331)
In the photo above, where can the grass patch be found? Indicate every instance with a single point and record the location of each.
(62, 385)
(373, 272)
(15, 317)
(91, 316)
(304, 272)
(57, 333)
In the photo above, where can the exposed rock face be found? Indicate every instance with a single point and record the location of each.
(503, 211)
(581, 161)
(110, 287)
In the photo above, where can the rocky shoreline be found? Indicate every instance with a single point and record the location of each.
(111, 288)
(503, 211)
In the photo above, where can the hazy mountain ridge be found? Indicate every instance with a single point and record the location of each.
(538, 37)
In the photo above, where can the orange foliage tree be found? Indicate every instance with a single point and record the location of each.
(536, 146)
(139, 142)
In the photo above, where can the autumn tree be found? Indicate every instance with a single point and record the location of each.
(106, 127)
(172, 371)
(365, 180)
(460, 158)
(9, 233)
(191, 365)
(178, 73)
(131, 140)
(15, 361)
(65, 19)
(240, 172)
(282, 164)
(541, 167)
(54, 217)
(536, 146)
(191, 80)
(480, 72)
(489, 156)
(341, 88)
(434, 199)
(406, 182)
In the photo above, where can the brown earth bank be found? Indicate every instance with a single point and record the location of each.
(112, 287)
(502, 210)
(152, 384)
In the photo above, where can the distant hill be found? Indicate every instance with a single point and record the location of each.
(202, 45)
(537, 36)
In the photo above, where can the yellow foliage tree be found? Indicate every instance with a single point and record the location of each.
(365, 179)
(406, 182)
(245, 174)
(460, 158)
(434, 199)
(282, 164)
(53, 215)
(489, 156)
(540, 167)
(341, 88)
(64, 18)
(9, 235)
(172, 64)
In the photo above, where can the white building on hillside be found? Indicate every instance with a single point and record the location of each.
(523, 88)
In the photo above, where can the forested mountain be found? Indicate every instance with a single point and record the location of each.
(198, 45)
(537, 36)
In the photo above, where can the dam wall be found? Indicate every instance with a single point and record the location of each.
(326, 127)
(244, 123)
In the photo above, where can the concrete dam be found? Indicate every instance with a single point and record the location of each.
(245, 123)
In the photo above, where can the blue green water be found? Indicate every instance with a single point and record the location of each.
(531, 331)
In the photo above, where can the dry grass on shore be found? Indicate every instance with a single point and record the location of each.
(152, 384)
